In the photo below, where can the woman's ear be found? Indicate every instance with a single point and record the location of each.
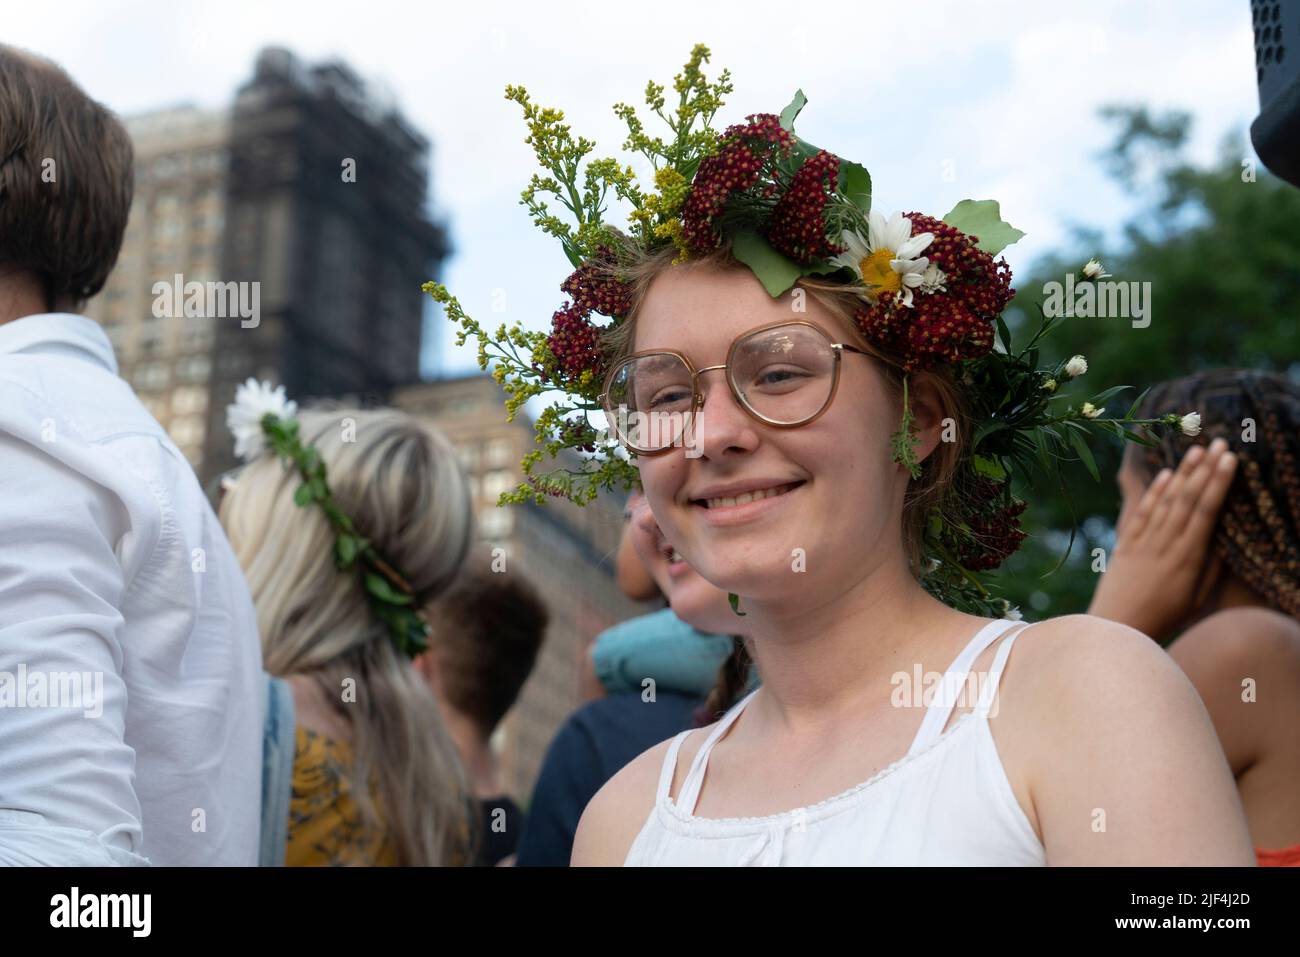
(929, 415)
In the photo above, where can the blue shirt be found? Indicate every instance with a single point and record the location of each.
(591, 747)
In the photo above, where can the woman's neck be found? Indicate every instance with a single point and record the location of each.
(1232, 592)
(482, 770)
(820, 661)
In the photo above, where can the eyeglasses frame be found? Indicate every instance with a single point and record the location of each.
(697, 397)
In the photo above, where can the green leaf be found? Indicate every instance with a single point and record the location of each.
(1101, 398)
(989, 467)
(378, 586)
(318, 489)
(1140, 439)
(982, 218)
(303, 495)
(346, 548)
(791, 111)
(855, 183)
(1004, 335)
(822, 269)
(1085, 454)
(986, 429)
(1044, 456)
(310, 459)
(777, 273)
(734, 599)
(1132, 410)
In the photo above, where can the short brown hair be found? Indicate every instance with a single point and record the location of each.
(487, 630)
(66, 179)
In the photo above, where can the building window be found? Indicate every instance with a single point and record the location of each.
(495, 522)
(194, 369)
(189, 399)
(498, 453)
(187, 431)
(198, 336)
(151, 375)
(494, 483)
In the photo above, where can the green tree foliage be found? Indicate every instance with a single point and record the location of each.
(1220, 245)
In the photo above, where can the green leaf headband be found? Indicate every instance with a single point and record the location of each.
(262, 417)
(931, 295)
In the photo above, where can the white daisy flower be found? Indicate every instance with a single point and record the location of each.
(1093, 269)
(253, 400)
(933, 279)
(1076, 367)
(1190, 424)
(889, 259)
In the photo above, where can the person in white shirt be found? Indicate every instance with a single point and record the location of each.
(131, 702)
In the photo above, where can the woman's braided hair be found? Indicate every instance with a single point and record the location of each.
(1258, 414)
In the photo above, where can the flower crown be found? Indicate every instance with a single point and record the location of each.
(931, 293)
(260, 417)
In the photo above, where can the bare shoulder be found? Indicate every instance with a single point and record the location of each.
(1121, 759)
(618, 811)
(1239, 640)
(1070, 651)
(1082, 673)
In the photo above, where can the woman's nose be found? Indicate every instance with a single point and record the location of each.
(720, 422)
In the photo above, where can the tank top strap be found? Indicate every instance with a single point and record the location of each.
(954, 679)
(670, 765)
(690, 792)
(990, 689)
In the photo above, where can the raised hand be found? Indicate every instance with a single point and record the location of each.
(1158, 573)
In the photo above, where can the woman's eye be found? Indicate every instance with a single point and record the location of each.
(777, 376)
(670, 397)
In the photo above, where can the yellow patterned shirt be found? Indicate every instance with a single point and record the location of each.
(325, 827)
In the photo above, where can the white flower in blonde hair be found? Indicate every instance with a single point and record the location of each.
(253, 400)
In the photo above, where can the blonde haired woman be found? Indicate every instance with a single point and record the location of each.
(361, 711)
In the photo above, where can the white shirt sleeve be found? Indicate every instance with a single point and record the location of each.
(66, 773)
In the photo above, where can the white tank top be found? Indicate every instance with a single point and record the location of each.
(946, 802)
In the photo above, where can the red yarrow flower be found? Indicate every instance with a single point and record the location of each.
(592, 288)
(745, 152)
(994, 522)
(575, 342)
(798, 224)
(949, 326)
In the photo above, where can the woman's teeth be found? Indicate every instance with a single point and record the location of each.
(745, 497)
(676, 557)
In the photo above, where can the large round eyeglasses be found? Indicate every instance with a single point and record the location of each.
(783, 374)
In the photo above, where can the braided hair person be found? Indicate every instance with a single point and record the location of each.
(812, 398)
(1207, 562)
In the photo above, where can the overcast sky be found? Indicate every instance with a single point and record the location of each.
(939, 100)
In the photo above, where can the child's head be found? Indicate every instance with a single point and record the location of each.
(1258, 414)
(698, 602)
(65, 182)
(842, 506)
(487, 630)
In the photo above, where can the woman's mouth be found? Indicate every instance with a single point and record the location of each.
(740, 506)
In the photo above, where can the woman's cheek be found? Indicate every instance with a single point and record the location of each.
(661, 483)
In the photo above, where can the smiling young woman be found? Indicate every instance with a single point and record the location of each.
(810, 396)
(1098, 750)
